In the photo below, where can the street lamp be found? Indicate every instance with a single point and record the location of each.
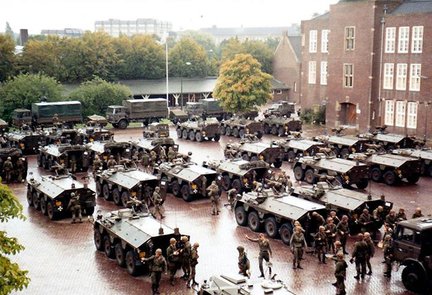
(181, 85)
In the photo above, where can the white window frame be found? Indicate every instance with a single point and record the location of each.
(389, 113)
(324, 41)
(412, 108)
(390, 40)
(400, 113)
(324, 72)
(401, 76)
(388, 76)
(415, 77)
(403, 42)
(312, 72)
(313, 41)
(348, 76)
(349, 38)
(417, 39)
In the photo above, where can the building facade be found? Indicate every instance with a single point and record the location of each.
(116, 27)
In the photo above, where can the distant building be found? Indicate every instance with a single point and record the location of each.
(116, 27)
(67, 32)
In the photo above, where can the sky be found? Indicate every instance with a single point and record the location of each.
(36, 15)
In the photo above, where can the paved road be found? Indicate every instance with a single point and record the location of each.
(61, 257)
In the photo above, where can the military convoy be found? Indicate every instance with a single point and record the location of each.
(253, 151)
(52, 195)
(297, 147)
(280, 109)
(199, 130)
(27, 141)
(73, 157)
(239, 127)
(17, 173)
(129, 236)
(425, 156)
(281, 126)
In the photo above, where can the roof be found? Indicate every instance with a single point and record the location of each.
(251, 31)
(66, 102)
(338, 164)
(129, 178)
(258, 147)
(390, 160)
(389, 137)
(295, 42)
(191, 172)
(241, 167)
(54, 187)
(417, 224)
(415, 153)
(346, 198)
(412, 7)
(303, 144)
(344, 140)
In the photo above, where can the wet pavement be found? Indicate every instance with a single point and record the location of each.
(62, 259)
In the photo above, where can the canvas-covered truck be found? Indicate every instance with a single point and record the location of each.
(207, 107)
(68, 113)
(137, 110)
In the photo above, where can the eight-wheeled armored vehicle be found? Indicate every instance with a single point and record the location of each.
(270, 153)
(156, 130)
(59, 136)
(119, 149)
(52, 195)
(390, 141)
(73, 157)
(343, 145)
(14, 154)
(199, 130)
(154, 144)
(129, 236)
(91, 134)
(27, 141)
(281, 108)
(239, 127)
(297, 147)
(281, 126)
(425, 155)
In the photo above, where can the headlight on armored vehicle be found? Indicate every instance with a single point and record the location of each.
(194, 186)
(58, 203)
(133, 194)
(141, 254)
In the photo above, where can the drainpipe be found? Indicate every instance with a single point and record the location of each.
(380, 106)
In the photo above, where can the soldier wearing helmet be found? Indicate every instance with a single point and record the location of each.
(8, 168)
(158, 204)
(111, 162)
(75, 207)
(157, 266)
(243, 262)
(213, 193)
(173, 256)
(193, 262)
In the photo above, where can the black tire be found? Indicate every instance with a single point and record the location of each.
(235, 132)
(184, 134)
(236, 183)
(414, 279)
(191, 135)
(278, 163)
(309, 176)
(281, 131)
(226, 182)
(179, 133)
(222, 130)
(245, 157)
(228, 131)
(89, 211)
(120, 254)
(98, 239)
(271, 227)
(376, 174)
(106, 192)
(259, 134)
(185, 193)
(116, 195)
(98, 189)
(199, 137)
(291, 155)
(412, 179)
(266, 128)
(29, 197)
(344, 153)
(108, 247)
(363, 183)
(285, 232)
(175, 188)
(131, 266)
(298, 173)
(52, 215)
(390, 178)
(253, 221)
(242, 133)
(43, 206)
(241, 216)
(124, 198)
(36, 200)
(216, 137)
(274, 130)
(123, 124)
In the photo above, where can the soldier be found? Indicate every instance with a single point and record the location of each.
(417, 213)
(257, 186)
(297, 243)
(335, 218)
(171, 154)
(365, 220)
(158, 203)
(330, 230)
(231, 196)
(8, 168)
(265, 251)
(401, 215)
(145, 160)
(58, 168)
(213, 193)
(193, 262)
(162, 154)
(243, 262)
(73, 164)
(378, 214)
(158, 266)
(55, 120)
(135, 157)
(75, 207)
(316, 221)
(97, 164)
(359, 255)
(391, 219)
(388, 255)
(137, 205)
(340, 274)
(153, 158)
(321, 244)
(185, 257)
(370, 251)
(343, 232)
(21, 167)
(111, 162)
(173, 256)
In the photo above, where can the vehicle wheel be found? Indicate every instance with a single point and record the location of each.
(120, 254)
(271, 227)
(43, 206)
(179, 133)
(185, 193)
(106, 192)
(89, 211)
(175, 188)
(198, 137)
(413, 278)
(241, 215)
(116, 196)
(131, 266)
(216, 137)
(245, 157)
(36, 200)
(52, 215)
(363, 183)
(184, 134)
(285, 232)
(29, 197)
(226, 182)
(98, 240)
(274, 130)
(266, 128)
(236, 183)
(235, 132)
(259, 134)
(98, 189)
(310, 176)
(123, 124)
(376, 174)
(107, 247)
(291, 155)
(344, 153)
(429, 170)
(191, 135)
(40, 160)
(227, 131)
(125, 198)
(254, 221)
(242, 133)
(281, 131)
(412, 179)
(298, 173)
(390, 178)
(278, 163)
(222, 130)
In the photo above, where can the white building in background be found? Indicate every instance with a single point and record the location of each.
(116, 27)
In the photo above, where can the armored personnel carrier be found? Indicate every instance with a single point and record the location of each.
(276, 212)
(238, 173)
(186, 180)
(62, 136)
(27, 141)
(296, 147)
(199, 130)
(73, 157)
(390, 168)
(281, 126)
(120, 184)
(425, 156)
(96, 121)
(91, 134)
(390, 141)
(14, 154)
(154, 144)
(342, 144)
(281, 108)
(52, 194)
(272, 154)
(345, 171)
(156, 130)
(239, 127)
(118, 149)
(129, 236)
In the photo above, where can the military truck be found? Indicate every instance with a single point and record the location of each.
(275, 212)
(281, 126)
(239, 127)
(412, 248)
(425, 156)
(120, 184)
(129, 236)
(199, 130)
(238, 173)
(4, 127)
(345, 171)
(137, 110)
(156, 130)
(296, 147)
(68, 113)
(390, 168)
(281, 108)
(154, 144)
(27, 141)
(186, 180)
(118, 149)
(51, 195)
(272, 154)
(21, 117)
(205, 108)
(74, 157)
(14, 154)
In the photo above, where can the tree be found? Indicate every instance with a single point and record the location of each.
(7, 57)
(242, 85)
(9, 31)
(11, 276)
(25, 89)
(97, 94)
(188, 59)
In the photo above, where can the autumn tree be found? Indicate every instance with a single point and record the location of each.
(12, 278)
(7, 56)
(242, 85)
(188, 59)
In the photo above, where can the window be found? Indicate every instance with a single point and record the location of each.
(312, 72)
(323, 76)
(403, 40)
(324, 41)
(415, 76)
(313, 35)
(349, 38)
(417, 39)
(400, 113)
(412, 115)
(389, 113)
(388, 76)
(390, 40)
(348, 75)
(401, 76)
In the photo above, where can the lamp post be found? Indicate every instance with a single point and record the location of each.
(181, 85)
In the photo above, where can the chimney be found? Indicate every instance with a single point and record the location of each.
(23, 36)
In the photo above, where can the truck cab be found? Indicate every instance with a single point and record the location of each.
(115, 113)
(21, 116)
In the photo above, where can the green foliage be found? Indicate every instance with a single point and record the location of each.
(311, 116)
(188, 59)
(97, 94)
(242, 85)
(12, 278)
(7, 56)
(25, 89)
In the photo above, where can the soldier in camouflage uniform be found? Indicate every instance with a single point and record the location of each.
(388, 255)
(111, 162)
(171, 154)
(297, 243)
(343, 232)
(340, 274)
(73, 164)
(370, 251)
(213, 193)
(162, 154)
(265, 251)
(158, 204)
(193, 262)
(330, 230)
(75, 207)
(231, 196)
(158, 266)
(8, 168)
(97, 164)
(321, 244)
(153, 158)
